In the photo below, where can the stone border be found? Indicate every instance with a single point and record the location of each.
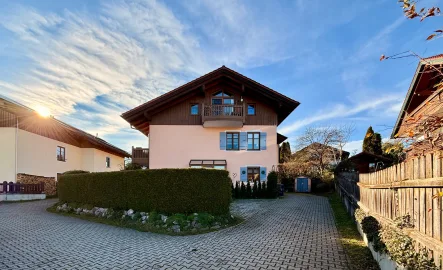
(21, 197)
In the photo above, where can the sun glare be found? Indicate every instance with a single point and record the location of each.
(43, 111)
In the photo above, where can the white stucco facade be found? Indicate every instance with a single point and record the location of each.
(173, 146)
(36, 155)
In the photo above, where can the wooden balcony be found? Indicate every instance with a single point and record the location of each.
(223, 115)
(140, 156)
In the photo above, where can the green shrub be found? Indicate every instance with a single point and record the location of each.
(272, 185)
(132, 166)
(75, 172)
(162, 190)
(370, 226)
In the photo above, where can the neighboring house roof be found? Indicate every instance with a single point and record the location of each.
(345, 154)
(418, 90)
(369, 158)
(139, 116)
(52, 128)
(281, 138)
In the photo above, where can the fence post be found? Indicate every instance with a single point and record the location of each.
(11, 187)
(5, 187)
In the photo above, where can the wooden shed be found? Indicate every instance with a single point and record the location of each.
(302, 184)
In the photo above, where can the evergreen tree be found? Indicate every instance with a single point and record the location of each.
(242, 190)
(377, 144)
(368, 140)
(259, 189)
(372, 142)
(237, 190)
(263, 190)
(285, 152)
(248, 190)
(255, 189)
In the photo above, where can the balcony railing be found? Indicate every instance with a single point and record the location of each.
(225, 112)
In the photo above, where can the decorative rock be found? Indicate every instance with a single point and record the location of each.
(143, 214)
(175, 222)
(216, 227)
(130, 212)
(144, 218)
(123, 216)
(144, 221)
(164, 218)
(176, 228)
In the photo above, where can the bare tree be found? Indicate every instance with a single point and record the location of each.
(344, 133)
(320, 147)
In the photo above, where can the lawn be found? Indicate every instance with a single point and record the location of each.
(359, 254)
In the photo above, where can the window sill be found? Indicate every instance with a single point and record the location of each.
(61, 160)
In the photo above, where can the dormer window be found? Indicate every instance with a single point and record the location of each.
(222, 98)
(226, 102)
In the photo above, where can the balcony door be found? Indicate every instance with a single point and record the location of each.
(222, 103)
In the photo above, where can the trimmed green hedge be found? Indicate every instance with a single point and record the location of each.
(162, 190)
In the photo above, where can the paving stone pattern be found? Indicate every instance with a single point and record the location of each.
(296, 232)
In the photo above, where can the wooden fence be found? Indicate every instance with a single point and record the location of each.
(17, 188)
(410, 188)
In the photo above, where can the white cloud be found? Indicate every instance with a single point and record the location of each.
(340, 111)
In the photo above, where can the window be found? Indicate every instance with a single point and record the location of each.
(194, 109)
(253, 140)
(232, 140)
(108, 162)
(253, 173)
(61, 153)
(208, 164)
(251, 109)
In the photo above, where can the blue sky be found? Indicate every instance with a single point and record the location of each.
(89, 61)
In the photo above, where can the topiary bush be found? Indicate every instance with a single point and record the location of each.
(162, 190)
(272, 188)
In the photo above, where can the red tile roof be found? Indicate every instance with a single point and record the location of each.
(434, 57)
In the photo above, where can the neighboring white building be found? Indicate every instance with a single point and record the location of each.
(34, 145)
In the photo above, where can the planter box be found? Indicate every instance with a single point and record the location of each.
(385, 262)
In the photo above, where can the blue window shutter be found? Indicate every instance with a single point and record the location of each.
(222, 140)
(263, 173)
(262, 140)
(243, 174)
(243, 141)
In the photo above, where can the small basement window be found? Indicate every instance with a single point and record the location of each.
(194, 109)
(61, 153)
(108, 162)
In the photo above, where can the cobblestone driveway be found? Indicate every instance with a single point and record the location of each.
(296, 232)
